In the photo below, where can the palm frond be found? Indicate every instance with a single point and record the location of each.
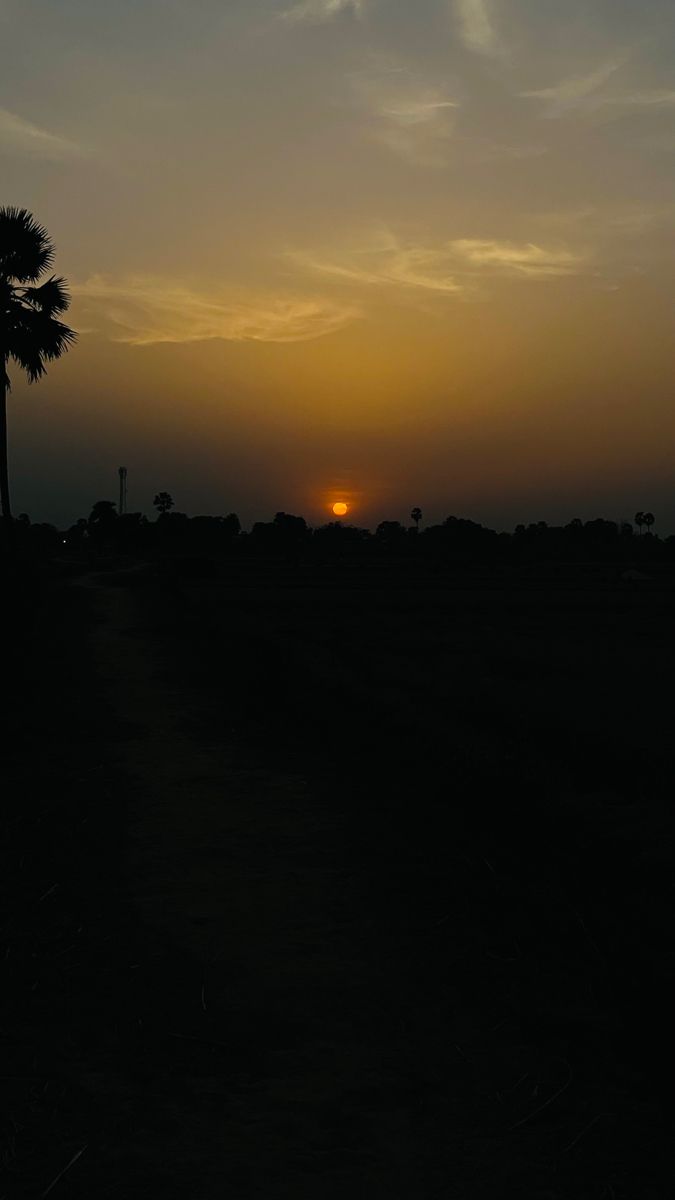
(50, 297)
(26, 249)
(29, 359)
(35, 338)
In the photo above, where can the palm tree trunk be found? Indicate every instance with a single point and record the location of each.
(4, 469)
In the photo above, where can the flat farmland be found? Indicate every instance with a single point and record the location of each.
(331, 878)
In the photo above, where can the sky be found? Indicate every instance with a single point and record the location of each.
(389, 253)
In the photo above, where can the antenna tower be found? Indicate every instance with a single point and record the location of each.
(122, 472)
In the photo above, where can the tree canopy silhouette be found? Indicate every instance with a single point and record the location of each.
(163, 501)
(30, 332)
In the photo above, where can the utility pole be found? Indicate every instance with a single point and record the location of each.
(122, 472)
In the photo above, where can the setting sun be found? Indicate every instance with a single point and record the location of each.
(340, 508)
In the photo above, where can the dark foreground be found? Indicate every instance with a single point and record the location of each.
(336, 883)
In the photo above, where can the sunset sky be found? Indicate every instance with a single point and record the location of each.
(393, 252)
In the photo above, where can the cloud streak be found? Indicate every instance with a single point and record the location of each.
(573, 92)
(412, 118)
(146, 311)
(476, 27)
(386, 262)
(320, 12)
(585, 92)
(658, 98)
(22, 137)
(512, 258)
(455, 268)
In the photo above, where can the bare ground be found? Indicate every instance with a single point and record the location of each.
(228, 975)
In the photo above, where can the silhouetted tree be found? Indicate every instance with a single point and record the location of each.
(416, 516)
(231, 525)
(77, 533)
(102, 518)
(163, 501)
(172, 526)
(30, 333)
(390, 533)
(285, 534)
(461, 538)
(648, 519)
(130, 530)
(44, 538)
(601, 530)
(210, 532)
(336, 539)
(639, 520)
(289, 527)
(262, 533)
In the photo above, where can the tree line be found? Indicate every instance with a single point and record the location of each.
(288, 536)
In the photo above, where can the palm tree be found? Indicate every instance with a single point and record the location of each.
(29, 330)
(163, 501)
(648, 519)
(639, 520)
(416, 516)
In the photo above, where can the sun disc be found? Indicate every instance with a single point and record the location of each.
(340, 508)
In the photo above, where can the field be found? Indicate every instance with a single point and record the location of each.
(339, 878)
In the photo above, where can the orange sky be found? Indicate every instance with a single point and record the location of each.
(350, 249)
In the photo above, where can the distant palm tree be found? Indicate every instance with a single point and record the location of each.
(639, 520)
(648, 519)
(416, 516)
(29, 331)
(163, 501)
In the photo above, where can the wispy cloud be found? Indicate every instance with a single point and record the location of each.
(420, 134)
(417, 110)
(22, 137)
(458, 267)
(144, 311)
(513, 258)
(586, 92)
(412, 117)
(658, 98)
(571, 93)
(385, 261)
(476, 26)
(318, 12)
